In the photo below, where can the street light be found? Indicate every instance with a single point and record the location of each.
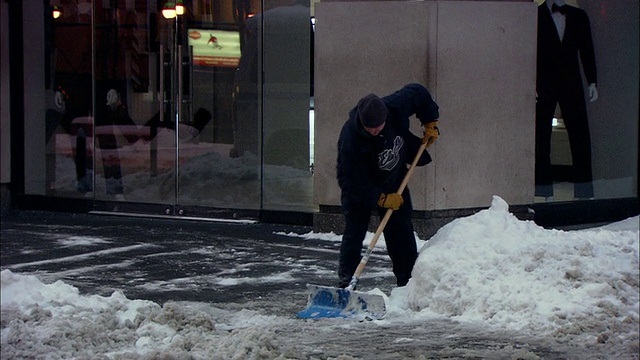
(179, 8)
(169, 10)
(172, 9)
(56, 12)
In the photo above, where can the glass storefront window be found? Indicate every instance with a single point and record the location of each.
(287, 92)
(587, 109)
(69, 106)
(176, 111)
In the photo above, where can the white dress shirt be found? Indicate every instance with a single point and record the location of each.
(558, 18)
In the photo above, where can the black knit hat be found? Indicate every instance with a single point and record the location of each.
(372, 111)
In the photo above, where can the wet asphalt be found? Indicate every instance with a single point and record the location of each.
(164, 259)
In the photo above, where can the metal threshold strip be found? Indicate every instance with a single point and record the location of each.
(173, 217)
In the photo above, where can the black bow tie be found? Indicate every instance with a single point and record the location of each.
(562, 9)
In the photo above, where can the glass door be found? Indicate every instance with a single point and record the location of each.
(111, 123)
(218, 150)
(135, 103)
(169, 138)
(146, 106)
(247, 90)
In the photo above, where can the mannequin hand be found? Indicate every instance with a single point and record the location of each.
(593, 93)
(391, 201)
(431, 133)
(112, 98)
(58, 100)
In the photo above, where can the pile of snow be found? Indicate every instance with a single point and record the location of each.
(55, 321)
(503, 272)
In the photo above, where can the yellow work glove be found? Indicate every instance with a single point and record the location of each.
(391, 201)
(431, 133)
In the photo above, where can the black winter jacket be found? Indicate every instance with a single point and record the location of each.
(370, 165)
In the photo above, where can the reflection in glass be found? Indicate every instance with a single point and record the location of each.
(285, 33)
(175, 111)
(69, 124)
(210, 172)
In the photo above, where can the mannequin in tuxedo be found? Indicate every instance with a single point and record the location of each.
(564, 36)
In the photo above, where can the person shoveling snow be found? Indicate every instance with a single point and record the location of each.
(374, 149)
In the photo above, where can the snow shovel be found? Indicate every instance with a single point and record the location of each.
(330, 302)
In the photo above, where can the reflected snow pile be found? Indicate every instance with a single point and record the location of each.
(55, 321)
(207, 174)
(512, 274)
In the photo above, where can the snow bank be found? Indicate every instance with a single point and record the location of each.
(511, 274)
(55, 321)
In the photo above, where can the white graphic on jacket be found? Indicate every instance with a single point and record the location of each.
(389, 158)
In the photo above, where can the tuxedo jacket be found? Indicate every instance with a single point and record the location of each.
(558, 70)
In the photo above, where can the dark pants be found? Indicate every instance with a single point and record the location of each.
(398, 234)
(574, 115)
(83, 163)
(106, 120)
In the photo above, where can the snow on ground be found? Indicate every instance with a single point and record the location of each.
(489, 269)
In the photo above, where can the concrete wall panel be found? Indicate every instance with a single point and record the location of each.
(478, 60)
(486, 89)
